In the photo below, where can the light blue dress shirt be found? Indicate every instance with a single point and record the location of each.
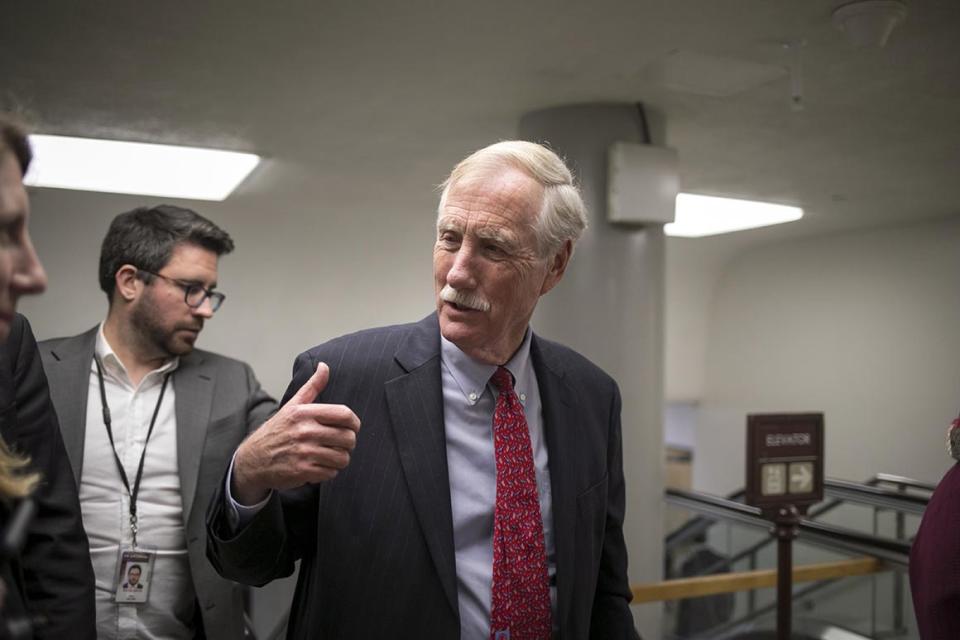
(468, 404)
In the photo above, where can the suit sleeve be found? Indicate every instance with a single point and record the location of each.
(278, 535)
(611, 617)
(58, 575)
(260, 405)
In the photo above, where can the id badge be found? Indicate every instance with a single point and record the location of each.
(135, 574)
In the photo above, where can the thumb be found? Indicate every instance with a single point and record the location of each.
(312, 387)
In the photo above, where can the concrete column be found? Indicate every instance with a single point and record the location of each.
(609, 307)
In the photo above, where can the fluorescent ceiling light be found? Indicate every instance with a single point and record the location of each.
(698, 216)
(136, 168)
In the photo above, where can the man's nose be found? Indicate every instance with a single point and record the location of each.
(29, 275)
(462, 273)
(205, 308)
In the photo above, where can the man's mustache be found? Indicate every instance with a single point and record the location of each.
(464, 299)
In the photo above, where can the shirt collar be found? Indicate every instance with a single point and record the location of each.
(114, 367)
(472, 376)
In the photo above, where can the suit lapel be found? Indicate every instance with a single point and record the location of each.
(193, 383)
(557, 399)
(70, 386)
(415, 401)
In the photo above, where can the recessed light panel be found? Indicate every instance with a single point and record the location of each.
(698, 216)
(138, 168)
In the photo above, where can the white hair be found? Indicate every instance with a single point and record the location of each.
(563, 215)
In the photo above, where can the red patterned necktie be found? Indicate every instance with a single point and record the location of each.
(520, 603)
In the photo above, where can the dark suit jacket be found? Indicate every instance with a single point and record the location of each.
(218, 402)
(376, 543)
(54, 578)
(935, 563)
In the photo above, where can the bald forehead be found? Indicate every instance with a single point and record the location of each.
(495, 190)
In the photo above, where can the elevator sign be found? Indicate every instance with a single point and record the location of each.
(784, 460)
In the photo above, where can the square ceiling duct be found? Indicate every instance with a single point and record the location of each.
(642, 183)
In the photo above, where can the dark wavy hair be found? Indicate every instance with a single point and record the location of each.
(146, 237)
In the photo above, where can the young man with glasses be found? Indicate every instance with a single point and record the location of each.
(150, 424)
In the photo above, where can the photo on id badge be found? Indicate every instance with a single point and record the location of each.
(134, 576)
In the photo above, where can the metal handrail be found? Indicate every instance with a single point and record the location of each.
(696, 526)
(842, 490)
(817, 533)
(903, 481)
(875, 496)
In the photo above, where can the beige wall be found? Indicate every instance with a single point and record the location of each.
(863, 326)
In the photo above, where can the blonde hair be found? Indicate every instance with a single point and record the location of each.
(14, 483)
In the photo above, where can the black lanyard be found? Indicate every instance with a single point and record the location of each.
(113, 447)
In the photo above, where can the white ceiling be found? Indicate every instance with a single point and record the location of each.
(354, 102)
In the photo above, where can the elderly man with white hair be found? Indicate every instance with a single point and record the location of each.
(483, 496)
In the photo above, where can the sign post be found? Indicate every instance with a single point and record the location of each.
(784, 477)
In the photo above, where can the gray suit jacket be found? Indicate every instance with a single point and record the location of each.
(218, 402)
(376, 542)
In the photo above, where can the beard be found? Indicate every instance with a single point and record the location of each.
(163, 339)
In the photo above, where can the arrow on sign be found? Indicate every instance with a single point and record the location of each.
(801, 478)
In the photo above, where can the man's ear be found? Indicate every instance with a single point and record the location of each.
(126, 283)
(558, 264)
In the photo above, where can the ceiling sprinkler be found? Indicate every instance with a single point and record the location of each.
(868, 23)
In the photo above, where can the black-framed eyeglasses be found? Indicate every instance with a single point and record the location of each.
(193, 294)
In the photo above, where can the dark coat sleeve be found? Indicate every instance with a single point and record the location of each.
(57, 574)
(611, 617)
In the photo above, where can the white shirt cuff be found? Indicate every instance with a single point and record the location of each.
(239, 515)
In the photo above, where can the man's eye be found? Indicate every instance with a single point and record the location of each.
(10, 231)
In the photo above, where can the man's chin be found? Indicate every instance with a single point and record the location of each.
(461, 332)
(454, 322)
(182, 344)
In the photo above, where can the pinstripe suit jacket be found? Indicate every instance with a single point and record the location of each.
(376, 543)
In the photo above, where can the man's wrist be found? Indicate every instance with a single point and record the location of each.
(244, 489)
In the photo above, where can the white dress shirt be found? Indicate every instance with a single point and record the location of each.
(106, 505)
